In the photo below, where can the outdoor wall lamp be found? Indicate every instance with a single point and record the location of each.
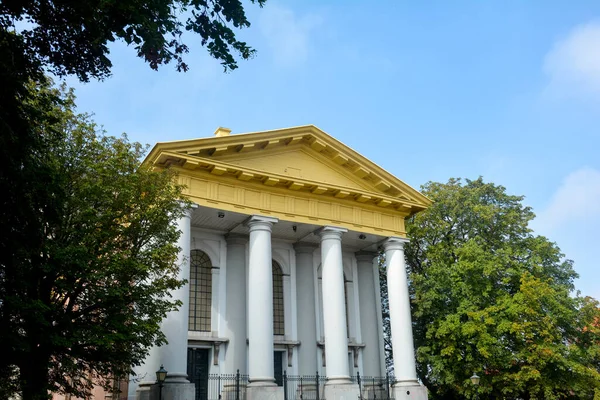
(161, 375)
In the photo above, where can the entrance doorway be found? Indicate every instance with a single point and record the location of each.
(198, 361)
(278, 367)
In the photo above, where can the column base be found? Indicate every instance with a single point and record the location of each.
(338, 380)
(176, 387)
(375, 391)
(262, 382)
(264, 392)
(409, 391)
(143, 390)
(348, 391)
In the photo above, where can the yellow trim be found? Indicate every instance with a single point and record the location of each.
(357, 195)
(334, 149)
(265, 156)
(227, 193)
(198, 164)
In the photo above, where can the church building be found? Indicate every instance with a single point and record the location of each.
(280, 253)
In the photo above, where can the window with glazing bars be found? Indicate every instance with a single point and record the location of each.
(200, 292)
(278, 308)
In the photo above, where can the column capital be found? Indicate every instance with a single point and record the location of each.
(304, 247)
(365, 255)
(260, 223)
(394, 243)
(331, 232)
(187, 212)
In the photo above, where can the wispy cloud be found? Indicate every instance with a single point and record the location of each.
(576, 200)
(288, 35)
(571, 218)
(573, 63)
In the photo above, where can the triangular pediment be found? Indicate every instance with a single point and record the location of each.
(300, 159)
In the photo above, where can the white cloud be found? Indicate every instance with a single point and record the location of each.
(576, 200)
(287, 34)
(571, 219)
(573, 63)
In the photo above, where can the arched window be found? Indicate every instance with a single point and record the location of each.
(278, 307)
(200, 292)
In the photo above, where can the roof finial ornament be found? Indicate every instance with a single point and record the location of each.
(222, 131)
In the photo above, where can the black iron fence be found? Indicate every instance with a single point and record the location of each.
(305, 387)
(295, 387)
(374, 387)
(226, 387)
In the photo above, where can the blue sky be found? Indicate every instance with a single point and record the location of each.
(428, 90)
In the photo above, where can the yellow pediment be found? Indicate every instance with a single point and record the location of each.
(298, 162)
(302, 162)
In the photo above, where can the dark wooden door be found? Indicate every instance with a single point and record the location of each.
(197, 370)
(278, 361)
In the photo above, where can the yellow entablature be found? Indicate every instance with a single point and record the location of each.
(295, 174)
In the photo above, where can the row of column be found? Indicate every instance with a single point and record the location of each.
(260, 292)
(260, 307)
(368, 290)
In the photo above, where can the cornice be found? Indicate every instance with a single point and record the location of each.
(187, 164)
(192, 151)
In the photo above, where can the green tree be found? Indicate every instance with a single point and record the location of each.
(71, 37)
(27, 127)
(40, 185)
(84, 294)
(490, 297)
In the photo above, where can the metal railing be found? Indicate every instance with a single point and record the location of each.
(295, 387)
(305, 387)
(374, 387)
(225, 387)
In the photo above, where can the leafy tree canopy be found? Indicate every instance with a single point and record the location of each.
(490, 297)
(86, 240)
(85, 283)
(71, 37)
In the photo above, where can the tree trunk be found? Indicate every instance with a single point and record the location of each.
(34, 377)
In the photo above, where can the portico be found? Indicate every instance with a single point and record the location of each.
(280, 254)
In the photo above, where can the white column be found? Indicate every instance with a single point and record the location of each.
(175, 326)
(368, 314)
(334, 308)
(307, 322)
(400, 318)
(260, 302)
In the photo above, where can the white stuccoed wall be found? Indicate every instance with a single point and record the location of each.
(235, 316)
(307, 322)
(368, 315)
(303, 305)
